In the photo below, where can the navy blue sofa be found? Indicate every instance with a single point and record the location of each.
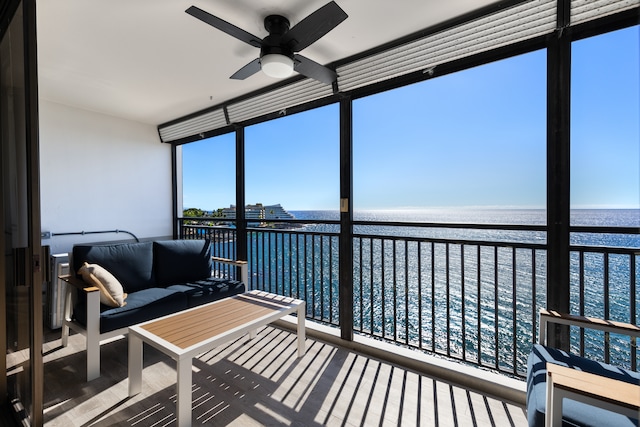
(160, 278)
(574, 413)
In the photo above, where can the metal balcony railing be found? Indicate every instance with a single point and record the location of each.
(474, 299)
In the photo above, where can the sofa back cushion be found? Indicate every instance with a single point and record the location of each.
(130, 263)
(181, 261)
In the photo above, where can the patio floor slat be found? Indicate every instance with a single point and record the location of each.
(261, 382)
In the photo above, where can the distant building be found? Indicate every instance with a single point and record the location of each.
(259, 212)
(276, 212)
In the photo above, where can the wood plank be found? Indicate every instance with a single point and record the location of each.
(228, 261)
(591, 322)
(190, 327)
(596, 386)
(78, 283)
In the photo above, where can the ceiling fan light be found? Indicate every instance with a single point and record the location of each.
(276, 65)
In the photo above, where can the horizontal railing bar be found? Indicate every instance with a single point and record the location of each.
(523, 245)
(471, 226)
(295, 221)
(269, 220)
(574, 248)
(510, 227)
(604, 230)
(205, 218)
(605, 250)
(301, 232)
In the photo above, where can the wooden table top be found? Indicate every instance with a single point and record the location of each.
(193, 326)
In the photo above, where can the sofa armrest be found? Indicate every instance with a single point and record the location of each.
(77, 283)
(91, 329)
(551, 316)
(244, 268)
(93, 298)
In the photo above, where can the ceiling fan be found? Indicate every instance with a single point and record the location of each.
(278, 57)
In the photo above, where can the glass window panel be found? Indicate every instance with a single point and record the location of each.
(209, 173)
(294, 161)
(475, 138)
(605, 121)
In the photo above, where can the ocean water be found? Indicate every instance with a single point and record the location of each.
(536, 217)
(579, 217)
(469, 302)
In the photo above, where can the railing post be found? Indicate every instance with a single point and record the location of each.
(558, 173)
(346, 221)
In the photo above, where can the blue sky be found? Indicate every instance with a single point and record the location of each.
(469, 139)
(605, 127)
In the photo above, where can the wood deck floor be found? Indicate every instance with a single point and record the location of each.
(261, 382)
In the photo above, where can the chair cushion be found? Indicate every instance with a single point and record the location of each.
(208, 290)
(180, 261)
(111, 293)
(130, 263)
(574, 413)
(141, 306)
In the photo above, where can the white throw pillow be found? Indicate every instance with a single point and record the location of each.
(111, 292)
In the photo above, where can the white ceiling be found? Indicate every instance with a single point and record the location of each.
(149, 61)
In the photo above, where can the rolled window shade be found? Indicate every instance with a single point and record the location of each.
(202, 123)
(588, 10)
(521, 22)
(288, 96)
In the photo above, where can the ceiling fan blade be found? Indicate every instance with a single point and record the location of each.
(248, 70)
(224, 26)
(312, 69)
(314, 26)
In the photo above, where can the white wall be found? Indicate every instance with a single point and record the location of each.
(99, 172)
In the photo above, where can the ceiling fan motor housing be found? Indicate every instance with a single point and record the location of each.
(276, 25)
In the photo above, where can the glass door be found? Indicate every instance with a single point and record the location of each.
(20, 264)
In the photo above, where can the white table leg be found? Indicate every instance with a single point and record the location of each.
(135, 365)
(301, 331)
(183, 405)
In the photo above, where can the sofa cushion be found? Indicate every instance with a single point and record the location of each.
(180, 261)
(111, 293)
(130, 263)
(574, 413)
(143, 305)
(208, 290)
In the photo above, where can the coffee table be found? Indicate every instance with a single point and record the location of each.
(187, 334)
